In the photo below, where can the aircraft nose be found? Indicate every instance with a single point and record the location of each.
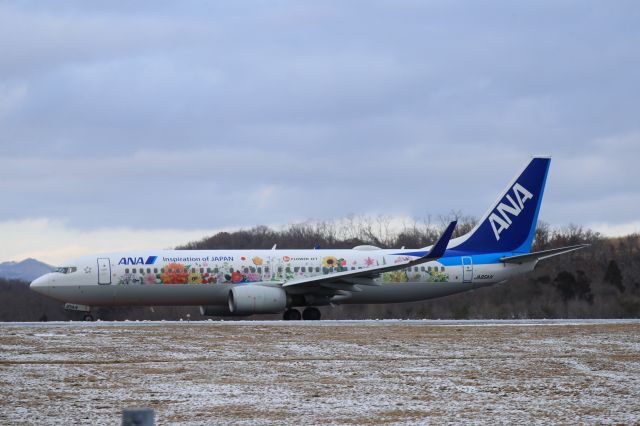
(41, 284)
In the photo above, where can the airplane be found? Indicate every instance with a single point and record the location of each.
(248, 282)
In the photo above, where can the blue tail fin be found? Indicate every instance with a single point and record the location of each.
(510, 224)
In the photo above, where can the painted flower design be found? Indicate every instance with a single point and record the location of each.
(236, 277)
(257, 261)
(195, 277)
(174, 273)
(208, 278)
(253, 277)
(149, 279)
(330, 261)
(342, 262)
(395, 277)
(369, 261)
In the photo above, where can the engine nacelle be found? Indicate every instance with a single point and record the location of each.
(215, 311)
(256, 299)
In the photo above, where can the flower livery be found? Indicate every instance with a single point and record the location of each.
(342, 265)
(194, 277)
(208, 278)
(257, 261)
(395, 277)
(329, 262)
(437, 276)
(174, 273)
(431, 275)
(130, 279)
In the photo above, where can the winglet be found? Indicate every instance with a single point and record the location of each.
(438, 249)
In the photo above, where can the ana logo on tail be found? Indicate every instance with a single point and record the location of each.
(500, 218)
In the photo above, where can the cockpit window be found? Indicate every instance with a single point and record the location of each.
(65, 269)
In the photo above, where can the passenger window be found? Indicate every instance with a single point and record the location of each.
(162, 270)
(155, 270)
(317, 269)
(280, 269)
(266, 269)
(252, 269)
(296, 269)
(215, 270)
(134, 270)
(231, 270)
(202, 270)
(429, 269)
(442, 269)
(422, 268)
(259, 269)
(126, 271)
(303, 269)
(353, 268)
(246, 270)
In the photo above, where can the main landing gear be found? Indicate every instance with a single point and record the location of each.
(309, 314)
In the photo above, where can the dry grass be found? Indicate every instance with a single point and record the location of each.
(359, 373)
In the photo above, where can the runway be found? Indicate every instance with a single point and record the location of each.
(329, 372)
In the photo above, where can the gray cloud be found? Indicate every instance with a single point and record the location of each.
(238, 114)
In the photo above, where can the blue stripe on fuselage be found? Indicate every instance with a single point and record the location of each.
(454, 257)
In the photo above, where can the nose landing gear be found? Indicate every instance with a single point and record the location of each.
(80, 309)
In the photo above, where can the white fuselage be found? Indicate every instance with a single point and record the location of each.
(204, 277)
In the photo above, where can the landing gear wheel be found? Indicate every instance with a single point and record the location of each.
(291, 315)
(311, 314)
(87, 317)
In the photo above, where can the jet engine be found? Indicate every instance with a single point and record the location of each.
(215, 311)
(256, 299)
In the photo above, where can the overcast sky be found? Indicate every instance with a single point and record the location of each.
(156, 123)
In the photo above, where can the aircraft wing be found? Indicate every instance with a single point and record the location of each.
(540, 255)
(365, 276)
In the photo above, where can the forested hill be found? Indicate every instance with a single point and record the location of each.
(600, 281)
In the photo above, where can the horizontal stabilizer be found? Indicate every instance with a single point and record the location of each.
(540, 255)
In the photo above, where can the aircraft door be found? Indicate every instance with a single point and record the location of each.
(104, 271)
(467, 269)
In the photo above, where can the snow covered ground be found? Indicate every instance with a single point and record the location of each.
(329, 372)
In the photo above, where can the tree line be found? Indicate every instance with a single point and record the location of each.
(600, 281)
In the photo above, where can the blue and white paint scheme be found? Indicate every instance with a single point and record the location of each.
(246, 282)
